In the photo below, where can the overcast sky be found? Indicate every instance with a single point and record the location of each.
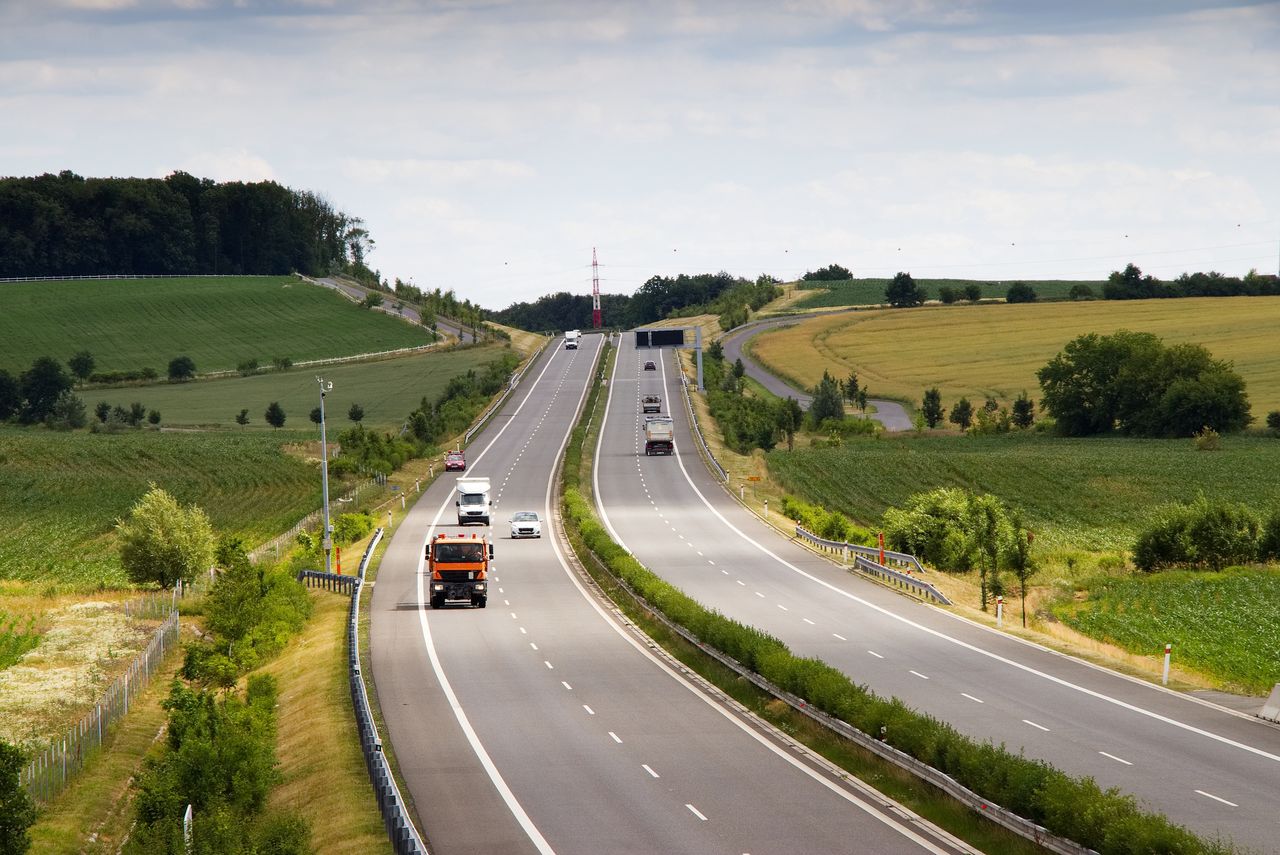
(490, 145)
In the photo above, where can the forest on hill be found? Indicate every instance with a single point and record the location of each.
(68, 225)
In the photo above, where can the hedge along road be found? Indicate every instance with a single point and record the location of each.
(538, 724)
(891, 414)
(1212, 769)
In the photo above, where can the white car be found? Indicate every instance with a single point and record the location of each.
(526, 524)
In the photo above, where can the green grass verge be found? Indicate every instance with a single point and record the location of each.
(61, 493)
(1107, 821)
(1226, 624)
(388, 390)
(1090, 495)
(870, 292)
(130, 324)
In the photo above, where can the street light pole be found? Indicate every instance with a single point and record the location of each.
(327, 542)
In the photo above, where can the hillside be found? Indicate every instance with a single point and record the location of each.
(870, 292)
(996, 349)
(130, 324)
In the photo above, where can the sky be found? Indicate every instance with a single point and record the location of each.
(490, 146)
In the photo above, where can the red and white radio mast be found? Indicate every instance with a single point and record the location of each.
(595, 291)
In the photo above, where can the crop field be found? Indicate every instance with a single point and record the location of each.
(388, 390)
(996, 349)
(1089, 495)
(60, 493)
(870, 292)
(17, 636)
(1240, 643)
(130, 324)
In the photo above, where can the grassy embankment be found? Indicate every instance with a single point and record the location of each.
(870, 292)
(130, 324)
(996, 349)
(388, 390)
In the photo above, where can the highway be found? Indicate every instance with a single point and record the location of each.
(1211, 769)
(544, 723)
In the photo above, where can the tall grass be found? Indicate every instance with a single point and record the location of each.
(17, 636)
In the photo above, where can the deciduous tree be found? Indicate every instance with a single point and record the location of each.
(356, 413)
(962, 414)
(17, 810)
(162, 542)
(42, 384)
(81, 364)
(182, 368)
(827, 402)
(1024, 411)
(931, 407)
(274, 415)
(903, 292)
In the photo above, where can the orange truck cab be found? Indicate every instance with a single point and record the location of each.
(459, 566)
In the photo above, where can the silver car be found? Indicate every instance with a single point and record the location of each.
(526, 524)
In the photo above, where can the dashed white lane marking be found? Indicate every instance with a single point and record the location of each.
(712, 563)
(1115, 758)
(725, 572)
(760, 595)
(645, 766)
(839, 636)
(550, 667)
(700, 555)
(506, 602)
(972, 698)
(696, 812)
(524, 631)
(534, 646)
(1036, 726)
(917, 673)
(876, 655)
(513, 616)
(589, 710)
(1217, 798)
(811, 623)
(740, 582)
(615, 737)
(566, 685)
(784, 608)
(500, 591)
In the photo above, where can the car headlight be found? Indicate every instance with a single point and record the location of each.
(439, 587)
(479, 586)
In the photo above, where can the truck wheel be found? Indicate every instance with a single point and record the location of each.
(479, 602)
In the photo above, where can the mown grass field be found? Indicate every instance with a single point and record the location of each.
(388, 390)
(870, 292)
(1224, 623)
(1089, 495)
(996, 349)
(130, 324)
(60, 493)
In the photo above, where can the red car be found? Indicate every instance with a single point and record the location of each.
(455, 461)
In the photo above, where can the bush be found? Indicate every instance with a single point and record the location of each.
(828, 524)
(1020, 292)
(248, 367)
(903, 292)
(830, 273)
(1273, 420)
(1203, 535)
(1081, 292)
(348, 528)
(1208, 439)
(948, 295)
(17, 811)
(181, 368)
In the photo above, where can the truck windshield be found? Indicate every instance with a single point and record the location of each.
(459, 553)
(473, 498)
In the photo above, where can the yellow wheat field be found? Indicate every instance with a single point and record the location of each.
(996, 349)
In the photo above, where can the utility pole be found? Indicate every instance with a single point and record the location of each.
(595, 291)
(327, 542)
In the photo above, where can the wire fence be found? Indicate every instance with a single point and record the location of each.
(52, 769)
(128, 276)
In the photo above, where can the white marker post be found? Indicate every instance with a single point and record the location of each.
(766, 510)
(1000, 611)
(1168, 650)
(742, 492)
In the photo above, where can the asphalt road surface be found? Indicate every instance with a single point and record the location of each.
(1214, 770)
(542, 723)
(358, 292)
(891, 414)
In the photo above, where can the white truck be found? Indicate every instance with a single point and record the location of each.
(473, 501)
(659, 435)
(571, 339)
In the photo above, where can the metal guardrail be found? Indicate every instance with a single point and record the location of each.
(697, 431)
(405, 838)
(511, 385)
(997, 814)
(864, 560)
(328, 581)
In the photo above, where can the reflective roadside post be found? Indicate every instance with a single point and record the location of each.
(1000, 611)
(1168, 650)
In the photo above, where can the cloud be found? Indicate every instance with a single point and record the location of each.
(437, 171)
(224, 165)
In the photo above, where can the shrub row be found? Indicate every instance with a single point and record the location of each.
(1076, 808)
(1207, 535)
(832, 525)
(109, 377)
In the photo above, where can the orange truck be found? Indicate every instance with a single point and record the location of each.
(458, 566)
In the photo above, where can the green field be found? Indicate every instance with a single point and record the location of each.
(60, 493)
(870, 292)
(996, 349)
(17, 636)
(388, 390)
(130, 324)
(1078, 494)
(1227, 624)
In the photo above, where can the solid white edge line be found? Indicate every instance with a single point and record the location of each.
(964, 644)
(696, 812)
(840, 791)
(499, 783)
(1115, 758)
(595, 464)
(1037, 726)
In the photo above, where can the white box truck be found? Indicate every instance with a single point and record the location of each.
(473, 501)
(571, 339)
(659, 435)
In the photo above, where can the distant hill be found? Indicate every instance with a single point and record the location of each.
(131, 324)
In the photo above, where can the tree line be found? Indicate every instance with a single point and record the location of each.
(660, 297)
(68, 225)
